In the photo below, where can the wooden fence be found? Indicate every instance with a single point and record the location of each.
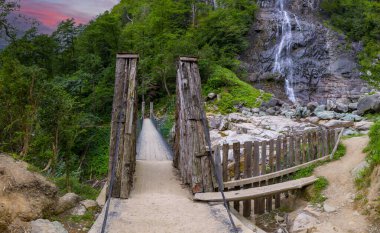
(262, 163)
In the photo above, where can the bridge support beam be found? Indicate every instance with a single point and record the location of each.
(191, 150)
(122, 159)
(151, 113)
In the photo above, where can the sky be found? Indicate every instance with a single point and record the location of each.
(51, 12)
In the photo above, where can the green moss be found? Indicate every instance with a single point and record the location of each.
(233, 91)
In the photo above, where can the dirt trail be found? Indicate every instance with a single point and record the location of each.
(341, 189)
(158, 202)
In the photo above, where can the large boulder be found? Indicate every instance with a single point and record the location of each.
(312, 106)
(24, 195)
(326, 115)
(45, 226)
(370, 103)
(363, 125)
(341, 107)
(304, 221)
(338, 124)
(351, 117)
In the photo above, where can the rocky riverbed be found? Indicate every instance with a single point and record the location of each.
(276, 118)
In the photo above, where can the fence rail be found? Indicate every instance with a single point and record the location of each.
(263, 163)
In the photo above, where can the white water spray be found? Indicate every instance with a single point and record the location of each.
(283, 63)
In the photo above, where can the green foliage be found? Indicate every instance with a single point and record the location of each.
(83, 190)
(58, 89)
(233, 91)
(363, 180)
(360, 21)
(373, 148)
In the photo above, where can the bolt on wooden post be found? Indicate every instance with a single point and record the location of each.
(190, 141)
(123, 125)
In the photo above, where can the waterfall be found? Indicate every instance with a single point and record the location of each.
(283, 63)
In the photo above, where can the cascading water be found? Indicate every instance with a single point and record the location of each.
(283, 63)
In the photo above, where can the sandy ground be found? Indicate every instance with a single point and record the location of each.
(341, 189)
(158, 202)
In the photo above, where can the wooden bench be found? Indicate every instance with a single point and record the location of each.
(252, 193)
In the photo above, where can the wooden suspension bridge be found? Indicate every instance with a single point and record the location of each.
(148, 184)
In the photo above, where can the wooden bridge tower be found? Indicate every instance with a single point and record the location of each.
(122, 159)
(191, 149)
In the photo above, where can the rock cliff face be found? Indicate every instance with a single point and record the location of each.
(291, 47)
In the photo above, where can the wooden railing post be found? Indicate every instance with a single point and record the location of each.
(151, 110)
(122, 157)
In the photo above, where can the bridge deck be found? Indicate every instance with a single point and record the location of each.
(158, 202)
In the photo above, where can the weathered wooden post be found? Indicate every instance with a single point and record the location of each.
(191, 146)
(122, 157)
(151, 110)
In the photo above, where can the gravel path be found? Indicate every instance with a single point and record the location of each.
(341, 189)
(158, 202)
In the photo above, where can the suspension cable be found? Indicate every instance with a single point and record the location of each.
(217, 174)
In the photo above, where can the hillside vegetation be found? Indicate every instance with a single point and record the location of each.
(56, 90)
(360, 21)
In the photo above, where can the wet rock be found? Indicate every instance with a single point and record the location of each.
(349, 132)
(255, 110)
(338, 124)
(223, 124)
(302, 112)
(326, 115)
(313, 120)
(370, 103)
(340, 107)
(320, 108)
(271, 111)
(68, 201)
(331, 105)
(312, 106)
(351, 117)
(45, 226)
(353, 106)
(247, 113)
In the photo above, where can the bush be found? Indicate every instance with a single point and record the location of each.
(83, 190)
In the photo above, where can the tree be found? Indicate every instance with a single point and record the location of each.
(6, 8)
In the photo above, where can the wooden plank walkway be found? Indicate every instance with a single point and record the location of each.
(251, 193)
(158, 203)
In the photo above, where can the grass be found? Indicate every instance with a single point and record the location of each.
(83, 190)
(315, 194)
(77, 221)
(308, 171)
(233, 91)
(340, 152)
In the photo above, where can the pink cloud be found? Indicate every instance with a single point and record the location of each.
(50, 14)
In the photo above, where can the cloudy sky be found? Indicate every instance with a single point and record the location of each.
(51, 12)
